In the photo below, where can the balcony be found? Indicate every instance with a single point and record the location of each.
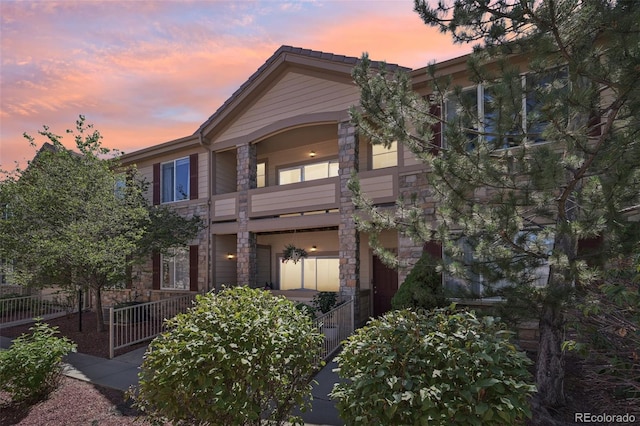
(311, 196)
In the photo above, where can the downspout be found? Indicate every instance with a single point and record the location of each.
(206, 146)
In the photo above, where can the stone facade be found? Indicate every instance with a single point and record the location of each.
(246, 241)
(348, 235)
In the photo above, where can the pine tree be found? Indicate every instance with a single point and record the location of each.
(549, 159)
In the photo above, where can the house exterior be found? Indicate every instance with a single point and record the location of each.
(270, 168)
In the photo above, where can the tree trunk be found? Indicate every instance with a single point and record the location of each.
(99, 314)
(550, 362)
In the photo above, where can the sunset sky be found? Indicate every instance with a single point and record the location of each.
(147, 72)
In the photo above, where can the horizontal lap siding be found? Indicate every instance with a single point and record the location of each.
(377, 187)
(322, 195)
(226, 207)
(295, 94)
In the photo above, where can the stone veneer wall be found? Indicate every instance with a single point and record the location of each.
(410, 251)
(348, 235)
(247, 241)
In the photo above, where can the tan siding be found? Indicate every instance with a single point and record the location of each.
(203, 174)
(378, 186)
(299, 198)
(224, 207)
(226, 179)
(295, 94)
(146, 173)
(409, 158)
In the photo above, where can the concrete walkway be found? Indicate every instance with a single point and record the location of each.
(121, 372)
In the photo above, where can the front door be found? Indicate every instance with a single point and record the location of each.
(385, 285)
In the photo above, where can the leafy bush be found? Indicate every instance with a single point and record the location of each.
(422, 288)
(438, 368)
(238, 357)
(31, 368)
(324, 301)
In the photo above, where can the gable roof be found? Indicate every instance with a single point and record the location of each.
(288, 55)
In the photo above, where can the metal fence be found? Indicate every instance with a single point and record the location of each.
(140, 322)
(336, 325)
(23, 310)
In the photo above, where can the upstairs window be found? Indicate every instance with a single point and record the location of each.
(382, 157)
(175, 180)
(307, 172)
(504, 116)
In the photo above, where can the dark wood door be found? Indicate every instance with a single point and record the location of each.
(385, 285)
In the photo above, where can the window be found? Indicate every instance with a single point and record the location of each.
(475, 283)
(503, 116)
(261, 175)
(382, 157)
(175, 180)
(311, 273)
(175, 270)
(307, 172)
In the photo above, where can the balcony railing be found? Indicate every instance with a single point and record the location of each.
(316, 195)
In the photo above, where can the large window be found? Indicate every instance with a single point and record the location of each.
(175, 180)
(306, 172)
(504, 116)
(382, 157)
(475, 283)
(311, 273)
(175, 270)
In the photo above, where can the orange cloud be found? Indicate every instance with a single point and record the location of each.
(147, 72)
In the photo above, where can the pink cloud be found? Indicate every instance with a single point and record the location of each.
(147, 72)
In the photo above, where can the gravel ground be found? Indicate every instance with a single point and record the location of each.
(74, 402)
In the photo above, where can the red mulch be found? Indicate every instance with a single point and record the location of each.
(74, 402)
(89, 340)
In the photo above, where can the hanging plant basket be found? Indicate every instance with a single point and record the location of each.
(293, 253)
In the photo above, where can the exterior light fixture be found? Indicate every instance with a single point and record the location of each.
(314, 248)
(230, 256)
(312, 154)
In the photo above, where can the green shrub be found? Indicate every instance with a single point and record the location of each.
(324, 301)
(238, 357)
(439, 368)
(422, 288)
(31, 368)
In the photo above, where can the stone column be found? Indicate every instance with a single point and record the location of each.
(348, 235)
(409, 251)
(246, 241)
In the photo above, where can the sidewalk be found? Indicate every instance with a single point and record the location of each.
(121, 372)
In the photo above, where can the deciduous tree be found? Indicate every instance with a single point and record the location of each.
(78, 220)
